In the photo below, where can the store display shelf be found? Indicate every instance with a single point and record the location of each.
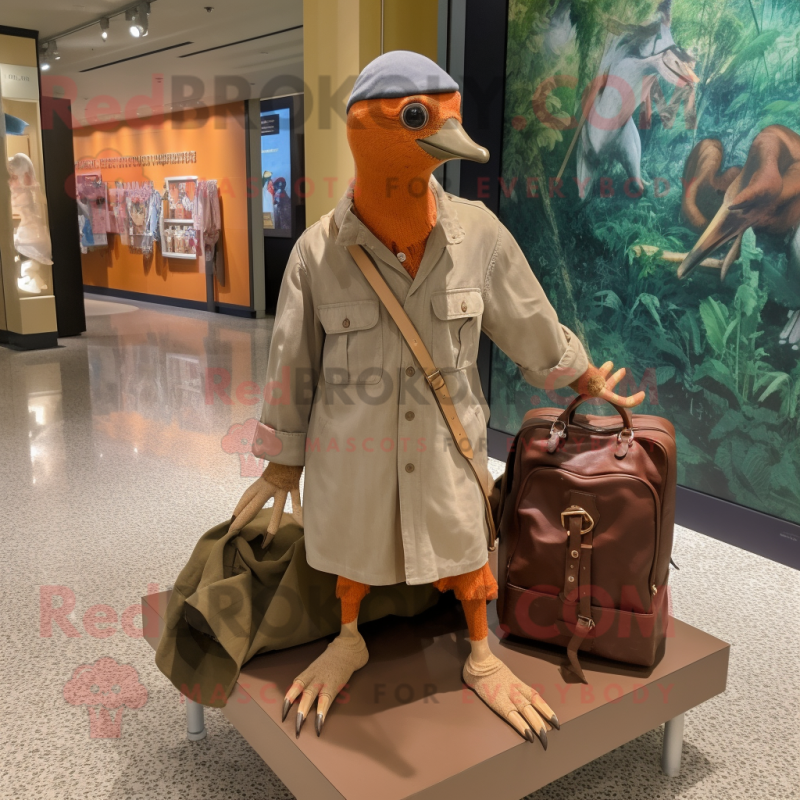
(192, 256)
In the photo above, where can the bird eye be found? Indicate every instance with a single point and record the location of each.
(414, 116)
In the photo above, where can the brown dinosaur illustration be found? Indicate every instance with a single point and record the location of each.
(763, 195)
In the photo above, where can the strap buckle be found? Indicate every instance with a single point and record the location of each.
(577, 511)
(435, 379)
(586, 622)
(631, 436)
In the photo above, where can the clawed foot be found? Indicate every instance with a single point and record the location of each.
(510, 698)
(791, 333)
(325, 678)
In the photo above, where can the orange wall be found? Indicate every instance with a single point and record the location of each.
(219, 138)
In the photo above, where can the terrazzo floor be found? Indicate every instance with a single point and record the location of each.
(113, 460)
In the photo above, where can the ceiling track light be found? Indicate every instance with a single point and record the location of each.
(137, 16)
(138, 19)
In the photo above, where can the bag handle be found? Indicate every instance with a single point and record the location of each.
(569, 412)
(432, 374)
(558, 430)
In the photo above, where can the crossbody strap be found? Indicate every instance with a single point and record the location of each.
(432, 374)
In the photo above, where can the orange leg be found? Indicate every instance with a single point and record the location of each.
(351, 593)
(474, 589)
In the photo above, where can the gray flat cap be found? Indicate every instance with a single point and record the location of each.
(400, 73)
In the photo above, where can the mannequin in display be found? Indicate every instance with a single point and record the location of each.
(31, 236)
(404, 121)
(283, 206)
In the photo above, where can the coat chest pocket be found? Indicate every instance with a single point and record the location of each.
(456, 328)
(353, 351)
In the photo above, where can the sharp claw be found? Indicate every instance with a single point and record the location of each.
(529, 735)
(298, 724)
(287, 704)
(318, 723)
(543, 737)
(555, 723)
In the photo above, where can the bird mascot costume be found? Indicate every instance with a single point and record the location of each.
(388, 498)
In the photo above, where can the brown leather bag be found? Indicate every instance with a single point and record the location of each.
(586, 526)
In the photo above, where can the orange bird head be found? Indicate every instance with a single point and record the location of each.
(410, 135)
(404, 119)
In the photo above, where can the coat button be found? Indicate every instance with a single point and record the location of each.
(345, 323)
(410, 371)
(464, 306)
(409, 467)
(409, 415)
(401, 257)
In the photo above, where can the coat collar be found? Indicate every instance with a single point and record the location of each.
(446, 231)
(353, 231)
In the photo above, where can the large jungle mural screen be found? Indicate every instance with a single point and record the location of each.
(651, 173)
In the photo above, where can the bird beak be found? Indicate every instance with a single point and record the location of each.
(451, 141)
(690, 74)
(726, 225)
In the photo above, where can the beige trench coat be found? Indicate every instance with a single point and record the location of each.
(387, 496)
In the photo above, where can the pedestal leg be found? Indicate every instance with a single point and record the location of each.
(673, 744)
(195, 721)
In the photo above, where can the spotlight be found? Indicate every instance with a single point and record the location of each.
(56, 54)
(104, 25)
(138, 19)
(44, 59)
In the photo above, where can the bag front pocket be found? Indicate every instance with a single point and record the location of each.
(353, 351)
(456, 328)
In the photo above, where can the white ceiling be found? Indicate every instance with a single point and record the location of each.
(274, 61)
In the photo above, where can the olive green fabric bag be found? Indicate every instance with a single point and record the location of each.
(234, 600)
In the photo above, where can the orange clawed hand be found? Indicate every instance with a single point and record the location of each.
(597, 383)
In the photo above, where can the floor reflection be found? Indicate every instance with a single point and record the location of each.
(165, 384)
(149, 382)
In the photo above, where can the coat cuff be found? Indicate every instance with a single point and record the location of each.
(282, 447)
(573, 363)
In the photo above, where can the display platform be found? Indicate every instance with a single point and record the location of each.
(406, 727)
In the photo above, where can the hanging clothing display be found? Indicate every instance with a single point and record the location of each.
(154, 216)
(209, 224)
(84, 224)
(93, 221)
(118, 212)
(138, 205)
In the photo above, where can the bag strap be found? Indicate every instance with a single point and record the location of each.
(580, 526)
(432, 375)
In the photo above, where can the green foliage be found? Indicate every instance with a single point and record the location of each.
(732, 333)
(731, 390)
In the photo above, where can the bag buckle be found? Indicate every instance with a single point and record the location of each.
(577, 511)
(586, 622)
(435, 379)
(561, 432)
